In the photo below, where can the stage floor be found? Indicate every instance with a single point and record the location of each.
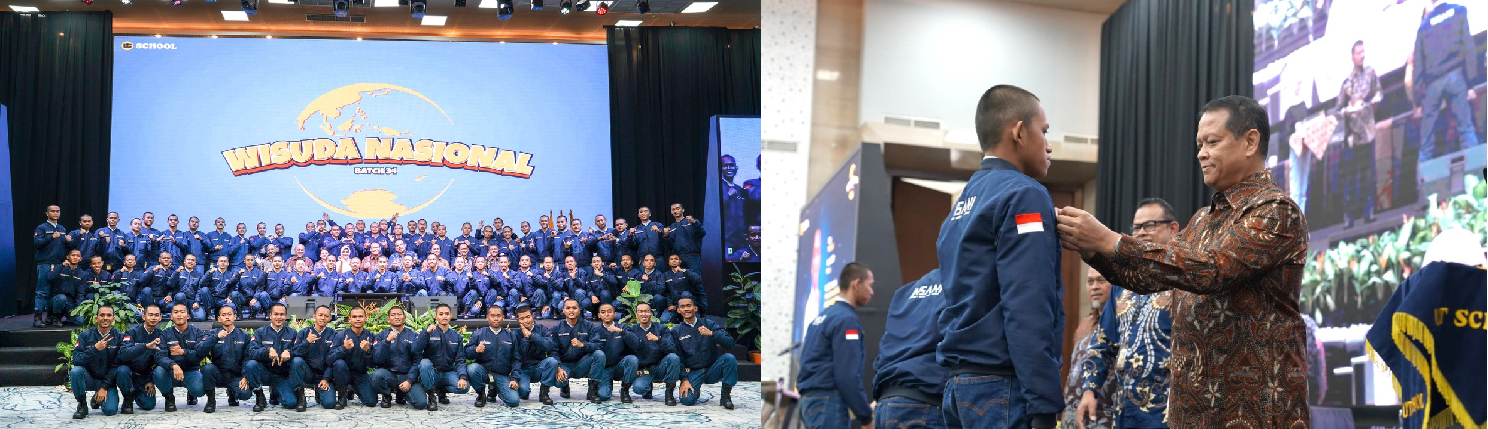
(53, 407)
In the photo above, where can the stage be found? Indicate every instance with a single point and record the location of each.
(53, 407)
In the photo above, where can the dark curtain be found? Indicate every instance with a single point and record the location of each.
(665, 82)
(1161, 60)
(56, 77)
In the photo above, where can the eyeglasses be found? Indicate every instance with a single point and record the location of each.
(1149, 226)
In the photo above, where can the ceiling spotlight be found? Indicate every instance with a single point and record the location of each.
(417, 7)
(643, 6)
(214, 36)
(340, 7)
(176, 3)
(565, 7)
(581, 5)
(537, 4)
(250, 7)
(88, 2)
(125, 1)
(603, 8)
(504, 9)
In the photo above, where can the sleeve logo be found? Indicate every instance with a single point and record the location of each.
(852, 334)
(1031, 222)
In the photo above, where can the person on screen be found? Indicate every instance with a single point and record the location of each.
(749, 251)
(732, 201)
(999, 260)
(647, 238)
(196, 241)
(685, 237)
(84, 239)
(832, 358)
(1359, 94)
(1237, 266)
(754, 195)
(1445, 60)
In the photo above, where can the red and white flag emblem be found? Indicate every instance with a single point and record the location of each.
(1030, 222)
(852, 334)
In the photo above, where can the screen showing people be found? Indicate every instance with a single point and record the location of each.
(1377, 133)
(829, 225)
(356, 139)
(740, 193)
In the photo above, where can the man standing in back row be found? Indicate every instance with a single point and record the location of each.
(831, 379)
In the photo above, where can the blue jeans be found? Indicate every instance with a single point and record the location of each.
(669, 369)
(259, 375)
(217, 378)
(432, 378)
(129, 382)
(984, 401)
(625, 371)
(824, 410)
(724, 370)
(84, 386)
(62, 305)
(343, 377)
(165, 381)
(900, 412)
(534, 374)
(591, 366)
(300, 370)
(478, 376)
(1453, 89)
(385, 381)
(43, 287)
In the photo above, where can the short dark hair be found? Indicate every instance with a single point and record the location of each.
(1245, 115)
(353, 309)
(280, 305)
(101, 306)
(854, 271)
(396, 307)
(523, 309)
(180, 304)
(1357, 44)
(327, 307)
(999, 107)
(1166, 208)
(442, 305)
(496, 308)
(147, 308)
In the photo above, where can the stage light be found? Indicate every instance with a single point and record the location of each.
(699, 6)
(214, 36)
(88, 2)
(537, 4)
(157, 36)
(416, 8)
(125, 1)
(602, 9)
(581, 5)
(269, 37)
(643, 6)
(340, 8)
(504, 9)
(176, 3)
(565, 7)
(250, 7)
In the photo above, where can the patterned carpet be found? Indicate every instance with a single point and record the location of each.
(33, 407)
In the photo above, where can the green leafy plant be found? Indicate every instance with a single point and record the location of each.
(630, 297)
(125, 314)
(744, 306)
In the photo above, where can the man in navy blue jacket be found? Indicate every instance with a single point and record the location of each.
(96, 365)
(313, 368)
(656, 356)
(84, 239)
(228, 347)
(111, 243)
(351, 355)
(685, 239)
(534, 349)
(999, 263)
(907, 382)
(614, 340)
(698, 343)
(137, 352)
(442, 366)
(494, 350)
(647, 236)
(269, 361)
(577, 351)
(50, 241)
(178, 361)
(394, 358)
(832, 355)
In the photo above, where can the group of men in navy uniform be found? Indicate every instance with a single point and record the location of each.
(209, 270)
(418, 367)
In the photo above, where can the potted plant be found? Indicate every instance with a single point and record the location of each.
(630, 297)
(744, 309)
(126, 313)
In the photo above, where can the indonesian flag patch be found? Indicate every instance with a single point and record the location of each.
(852, 334)
(1030, 222)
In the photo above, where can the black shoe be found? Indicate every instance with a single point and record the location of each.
(211, 401)
(443, 399)
(563, 391)
(400, 398)
(56, 322)
(300, 405)
(82, 410)
(258, 401)
(387, 400)
(273, 397)
(542, 395)
(625, 393)
(341, 397)
(37, 323)
(232, 398)
(594, 392)
(170, 402)
(671, 401)
(93, 401)
(480, 398)
(648, 394)
(190, 400)
(127, 407)
(433, 401)
(724, 400)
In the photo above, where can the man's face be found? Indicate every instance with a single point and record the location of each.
(865, 288)
(361, 226)
(571, 309)
(643, 313)
(504, 263)
(193, 223)
(222, 263)
(358, 318)
(397, 229)
(322, 317)
(86, 222)
(1222, 155)
(278, 264)
(149, 218)
(644, 214)
(262, 229)
(278, 230)
(543, 221)
(134, 225)
(686, 308)
(596, 262)
(1359, 55)
(547, 263)
(562, 222)
(227, 316)
(525, 262)
(376, 228)
(570, 263)
(220, 223)
(443, 316)
(276, 316)
(525, 319)
(172, 221)
(299, 250)
(336, 231)
(105, 317)
(1097, 286)
(407, 264)
(165, 259)
(577, 225)
(152, 316)
(728, 167)
(674, 261)
(677, 211)
(113, 220)
(74, 257)
(179, 315)
(382, 264)
(495, 317)
(465, 229)
(754, 236)
(621, 225)
(1035, 150)
(402, 247)
(396, 316)
(248, 261)
(649, 262)
(129, 261)
(607, 314)
(599, 222)
(309, 226)
(242, 229)
(626, 262)
(1163, 229)
(96, 264)
(526, 228)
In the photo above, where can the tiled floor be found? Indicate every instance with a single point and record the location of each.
(51, 407)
